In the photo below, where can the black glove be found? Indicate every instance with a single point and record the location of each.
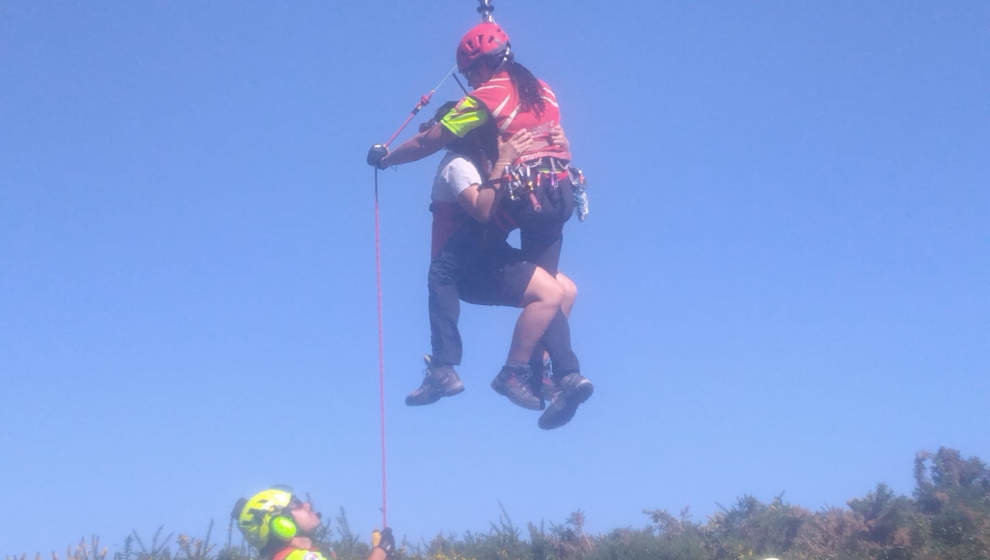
(384, 540)
(376, 154)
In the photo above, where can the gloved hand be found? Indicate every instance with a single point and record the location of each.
(384, 540)
(375, 155)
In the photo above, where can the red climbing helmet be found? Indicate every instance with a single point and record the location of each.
(484, 39)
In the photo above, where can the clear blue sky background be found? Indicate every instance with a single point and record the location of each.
(785, 283)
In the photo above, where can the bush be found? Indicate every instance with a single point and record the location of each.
(948, 518)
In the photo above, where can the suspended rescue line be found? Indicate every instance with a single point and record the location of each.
(485, 8)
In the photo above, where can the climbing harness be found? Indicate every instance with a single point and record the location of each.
(522, 179)
(579, 188)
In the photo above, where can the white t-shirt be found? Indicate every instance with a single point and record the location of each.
(454, 174)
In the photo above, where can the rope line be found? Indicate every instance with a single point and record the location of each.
(423, 101)
(381, 354)
(458, 80)
(485, 9)
(378, 284)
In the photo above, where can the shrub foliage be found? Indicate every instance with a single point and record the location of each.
(946, 518)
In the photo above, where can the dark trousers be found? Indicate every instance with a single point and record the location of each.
(476, 270)
(445, 310)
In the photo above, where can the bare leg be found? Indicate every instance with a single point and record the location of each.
(569, 289)
(541, 301)
(540, 321)
(570, 293)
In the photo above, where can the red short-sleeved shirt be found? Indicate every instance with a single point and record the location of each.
(501, 100)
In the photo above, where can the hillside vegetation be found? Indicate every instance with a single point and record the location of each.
(946, 518)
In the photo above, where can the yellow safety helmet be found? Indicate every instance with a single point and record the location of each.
(265, 515)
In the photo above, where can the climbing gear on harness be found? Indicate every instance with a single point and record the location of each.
(485, 40)
(522, 179)
(579, 189)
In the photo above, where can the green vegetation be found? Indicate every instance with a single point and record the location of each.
(947, 518)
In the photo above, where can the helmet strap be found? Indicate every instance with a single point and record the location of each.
(494, 62)
(504, 59)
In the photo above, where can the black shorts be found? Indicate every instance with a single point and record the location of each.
(499, 276)
(541, 233)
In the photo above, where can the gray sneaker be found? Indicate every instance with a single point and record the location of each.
(515, 383)
(439, 381)
(572, 390)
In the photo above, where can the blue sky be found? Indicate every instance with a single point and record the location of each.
(784, 282)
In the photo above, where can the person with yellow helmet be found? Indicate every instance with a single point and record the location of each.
(281, 527)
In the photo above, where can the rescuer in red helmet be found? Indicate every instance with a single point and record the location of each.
(472, 261)
(541, 183)
(504, 90)
(508, 94)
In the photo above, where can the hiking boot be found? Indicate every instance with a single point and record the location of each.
(572, 390)
(548, 389)
(514, 383)
(439, 381)
(540, 382)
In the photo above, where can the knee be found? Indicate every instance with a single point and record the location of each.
(552, 293)
(544, 290)
(559, 297)
(569, 289)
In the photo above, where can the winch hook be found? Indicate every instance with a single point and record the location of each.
(485, 8)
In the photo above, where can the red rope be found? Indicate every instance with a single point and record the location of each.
(423, 101)
(378, 278)
(381, 355)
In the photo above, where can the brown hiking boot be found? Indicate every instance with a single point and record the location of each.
(572, 390)
(439, 381)
(515, 383)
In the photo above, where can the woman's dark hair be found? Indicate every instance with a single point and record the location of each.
(488, 142)
(529, 88)
(480, 146)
